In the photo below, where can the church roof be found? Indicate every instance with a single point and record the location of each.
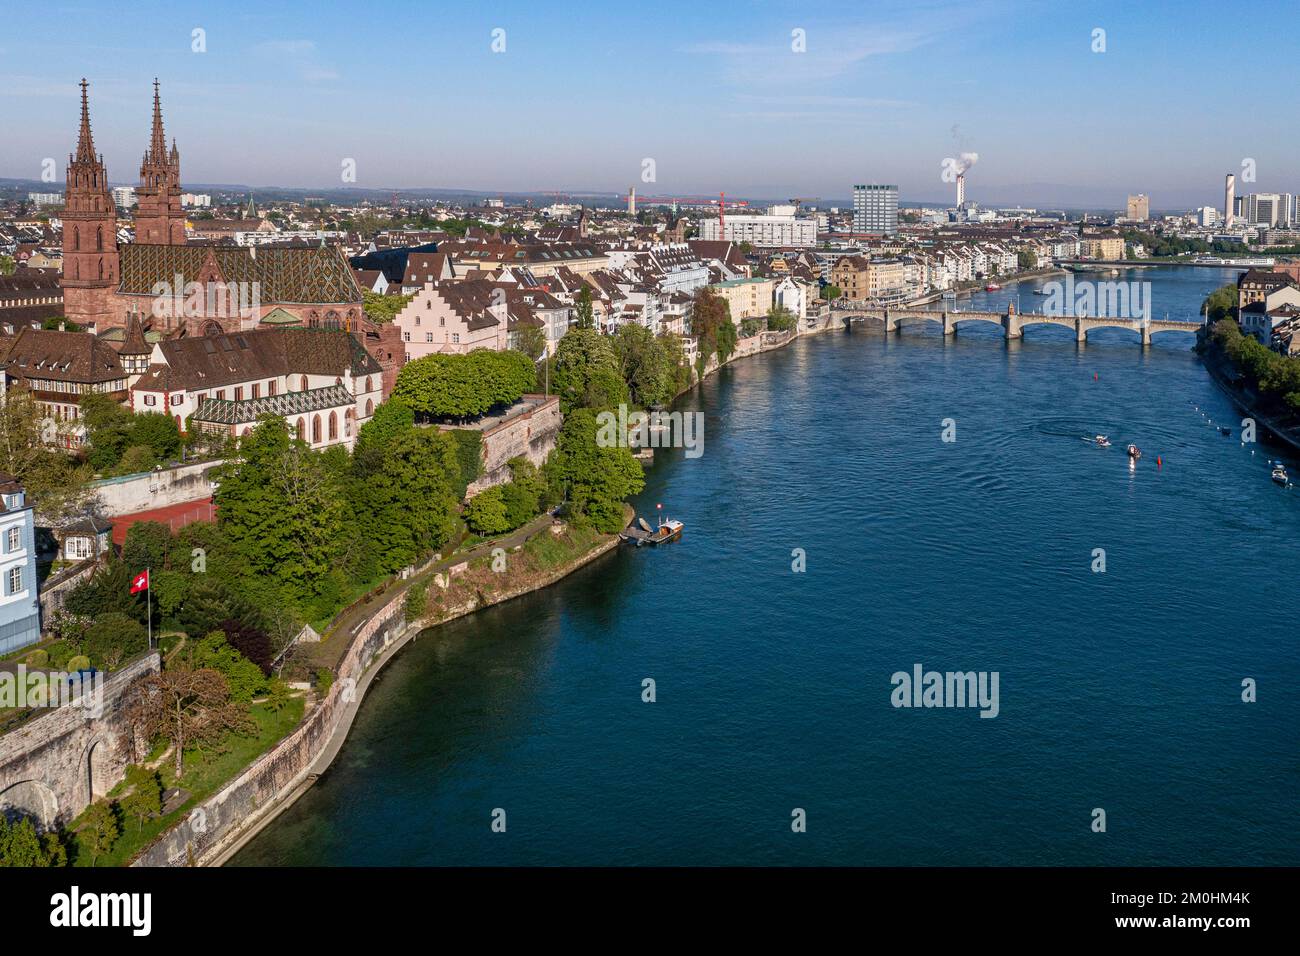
(61, 356)
(317, 275)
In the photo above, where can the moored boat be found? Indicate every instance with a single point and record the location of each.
(1279, 474)
(1134, 452)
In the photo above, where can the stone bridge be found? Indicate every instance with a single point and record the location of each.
(63, 758)
(1014, 323)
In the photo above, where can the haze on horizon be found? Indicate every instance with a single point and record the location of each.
(720, 100)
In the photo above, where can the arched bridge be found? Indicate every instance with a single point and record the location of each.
(1014, 323)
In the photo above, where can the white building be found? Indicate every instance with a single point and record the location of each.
(124, 197)
(760, 230)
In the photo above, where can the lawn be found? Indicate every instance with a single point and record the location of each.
(206, 771)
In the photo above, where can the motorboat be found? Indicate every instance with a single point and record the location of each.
(992, 287)
(1134, 452)
(1101, 441)
(1279, 475)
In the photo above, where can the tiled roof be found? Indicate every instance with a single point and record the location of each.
(62, 356)
(216, 360)
(220, 412)
(317, 275)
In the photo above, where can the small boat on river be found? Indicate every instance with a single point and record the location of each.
(1134, 452)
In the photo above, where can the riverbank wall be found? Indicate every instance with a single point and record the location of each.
(216, 829)
(1221, 370)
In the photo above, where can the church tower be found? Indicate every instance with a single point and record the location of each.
(159, 219)
(90, 261)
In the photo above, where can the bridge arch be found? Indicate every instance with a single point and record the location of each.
(30, 798)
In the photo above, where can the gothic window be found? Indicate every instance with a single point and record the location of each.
(369, 388)
(334, 427)
(347, 423)
(315, 430)
(304, 383)
(302, 431)
(370, 407)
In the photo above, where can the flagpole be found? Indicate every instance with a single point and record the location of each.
(148, 597)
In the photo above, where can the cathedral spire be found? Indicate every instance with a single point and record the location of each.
(85, 142)
(157, 142)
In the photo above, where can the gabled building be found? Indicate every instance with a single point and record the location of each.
(322, 381)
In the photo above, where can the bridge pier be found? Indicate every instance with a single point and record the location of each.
(1146, 335)
(949, 326)
(891, 322)
(1080, 334)
(1011, 325)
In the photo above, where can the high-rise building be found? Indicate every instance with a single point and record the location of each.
(1229, 204)
(1139, 208)
(875, 210)
(124, 196)
(1269, 209)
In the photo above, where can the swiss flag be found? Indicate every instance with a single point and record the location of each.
(140, 582)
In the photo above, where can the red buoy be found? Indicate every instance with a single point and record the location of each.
(1158, 461)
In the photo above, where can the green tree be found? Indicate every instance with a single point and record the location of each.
(486, 512)
(584, 314)
(147, 545)
(645, 365)
(1221, 303)
(597, 480)
(384, 308)
(712, 325)
(417, 601)
(22, 845)
(780, 319)
(405, 493)
(460, 387)
(244, 679)
(1027, 259)
(99, 829)
(158, 433)
(113, 638)
(7, 265)
(831, 292)
(145, 799)
(532, 341)
(586, 371)
(282, 511)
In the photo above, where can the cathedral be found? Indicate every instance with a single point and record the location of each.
(175, 289)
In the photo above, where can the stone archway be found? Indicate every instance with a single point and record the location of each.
(96, 775)
(30, 798)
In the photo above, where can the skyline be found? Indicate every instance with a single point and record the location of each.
(1054, 123)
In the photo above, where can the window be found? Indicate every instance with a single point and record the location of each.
(221, 394)
(239, 394)
(77, 548)
(257, 389)
(15, 579)
(428, 336)
(150, 400)
(455, 337)
(14, 539)
(304, 383)
(406, 336)
(270, 387)
(315, 430)
(334, 427)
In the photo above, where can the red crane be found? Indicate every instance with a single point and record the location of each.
(721, 203)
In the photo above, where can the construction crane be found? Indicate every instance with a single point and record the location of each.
(721, 203)
(800, 200)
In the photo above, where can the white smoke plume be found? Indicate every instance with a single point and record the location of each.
(966, 161)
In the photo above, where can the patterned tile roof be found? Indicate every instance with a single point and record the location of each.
(222, 412)
(318, 275)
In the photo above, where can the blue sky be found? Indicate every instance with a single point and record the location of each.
(712, 92)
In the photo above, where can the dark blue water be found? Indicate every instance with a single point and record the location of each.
(1119, 690)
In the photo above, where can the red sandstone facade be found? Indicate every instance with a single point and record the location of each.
(180, 290)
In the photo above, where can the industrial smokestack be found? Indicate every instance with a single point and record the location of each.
(1229, 199)
(961, 189)
(631, 200)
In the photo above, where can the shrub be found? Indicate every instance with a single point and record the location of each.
(37, 658)
(78, 662)
(417, 601)
(324, 681)
(486, 512)
(114, 637)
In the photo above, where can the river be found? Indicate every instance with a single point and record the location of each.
(1119, 690)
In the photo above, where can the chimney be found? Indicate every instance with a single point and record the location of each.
(1229, 199)
(961, 189)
